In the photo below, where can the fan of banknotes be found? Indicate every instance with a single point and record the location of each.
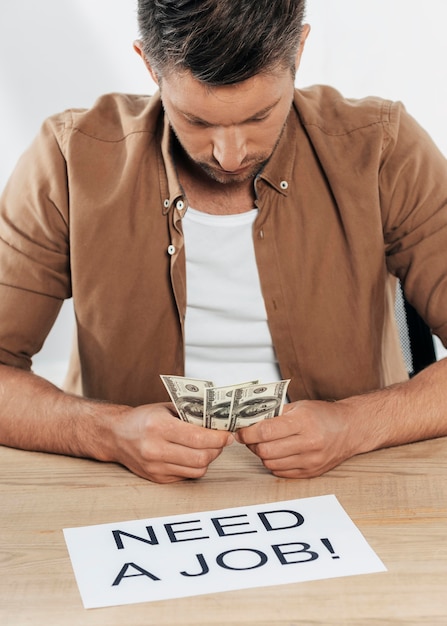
(225, 408)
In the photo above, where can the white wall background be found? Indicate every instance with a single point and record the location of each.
(56, 54)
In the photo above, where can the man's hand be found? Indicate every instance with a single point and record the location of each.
(153, 443)
(311, 437)
(308, 439)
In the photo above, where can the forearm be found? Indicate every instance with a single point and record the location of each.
(403, 413)
(36, 415)
(149, 440)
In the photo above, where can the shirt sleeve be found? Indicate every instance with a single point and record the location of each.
(413, 188)
(34, 246)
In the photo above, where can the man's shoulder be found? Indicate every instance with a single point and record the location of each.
(113, 117)
(325, 108)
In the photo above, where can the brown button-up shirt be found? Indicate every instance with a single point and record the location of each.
(354, 195)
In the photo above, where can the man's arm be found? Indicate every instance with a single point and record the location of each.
(149, 440)
(312, 437)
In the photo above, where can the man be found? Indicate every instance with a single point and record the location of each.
(229, 227)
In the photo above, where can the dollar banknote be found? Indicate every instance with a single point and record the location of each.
(258, 402)
(188, 396)
(230, 407)
(219, 404)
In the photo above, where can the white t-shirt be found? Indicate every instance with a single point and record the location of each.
(227, 339)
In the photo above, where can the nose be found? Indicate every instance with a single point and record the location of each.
(229, 148)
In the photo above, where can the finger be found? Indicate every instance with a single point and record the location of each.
(172, 472)
(169, 473)
(182, 456)
(306, 471)
(273, 429)
(299, 473)
(197, 437)
(279, 448)
(171, 462)
(303, 465)
(171, 428)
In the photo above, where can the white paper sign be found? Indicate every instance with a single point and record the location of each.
(211, 551)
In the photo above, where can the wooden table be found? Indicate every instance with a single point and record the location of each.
(397, 498)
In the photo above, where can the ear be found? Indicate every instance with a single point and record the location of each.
(304, 34)
(139, 50)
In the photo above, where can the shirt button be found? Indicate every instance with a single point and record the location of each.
(180, 205)
(171, 250)
(284, 184)
(166, 203)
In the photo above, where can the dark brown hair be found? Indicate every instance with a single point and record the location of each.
(220, 42)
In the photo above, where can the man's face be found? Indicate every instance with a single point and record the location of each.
(228, 131)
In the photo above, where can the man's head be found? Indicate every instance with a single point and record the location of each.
(226, 71)
(220, 42)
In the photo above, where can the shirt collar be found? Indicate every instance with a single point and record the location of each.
(278, 170)
(171, 191)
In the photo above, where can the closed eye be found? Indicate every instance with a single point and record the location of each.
(259, 117)
(198, 123)
(254, 120)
